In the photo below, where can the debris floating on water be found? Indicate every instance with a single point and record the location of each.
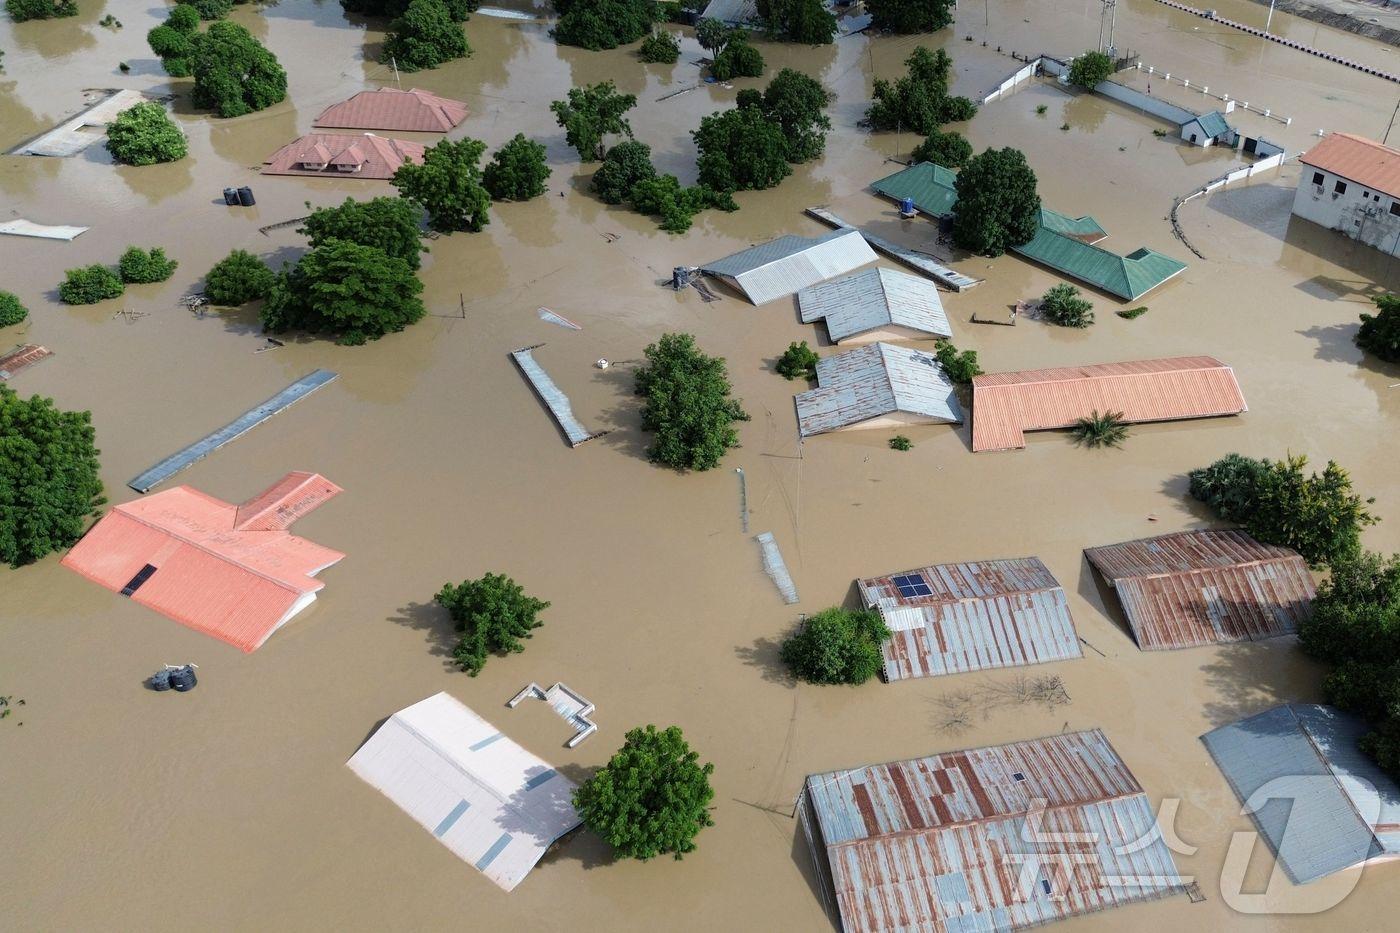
(556, 401)
(777, 569)
(553, 318)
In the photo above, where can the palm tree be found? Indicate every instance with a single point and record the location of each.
(1106, 430)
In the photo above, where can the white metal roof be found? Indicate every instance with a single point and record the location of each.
(876, 380)
(490, 801)
(789, 264)
(875, 298)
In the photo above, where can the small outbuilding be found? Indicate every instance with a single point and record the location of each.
(878, 386)
(876, 304)
(785, 266)
(411, 111)
(1208, 129)
(322, 154)
(931, 187)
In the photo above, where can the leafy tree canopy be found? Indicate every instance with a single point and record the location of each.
(208, 9)
(234, 74)
(89, 284)
(604, 24)
(22, 10)
(517, 172)
(49, 483)
(808, 22)
(389, 224)
(625, 165)
(919, 101)
(798, 361)
(425, 36)
(174, 40)
(12, 310)
(949, 150)
(238, 278)
(741, 150)
(1380, 332)
(651, 798)
(797, 103)
(144, 135)
(448, 186)
(1090, 69)
(357, 292)
(493, 614)
(997, 206)
(392, 9)
(958, 367)
(688, 407)
(837, 646)
(906, 16)
(139, 267)
(713, 34)
(660, 48)
(663, 196)
(591, 114)
(737, 60)
(1063, 305)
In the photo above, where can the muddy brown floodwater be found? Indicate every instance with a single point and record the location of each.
(231, 807)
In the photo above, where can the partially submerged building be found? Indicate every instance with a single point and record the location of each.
(1352, 185)
(387, 108)
(876, 304)
(89, 126)
(785, 266)
(931, 187)
(364, 156)
(1206, 587)
(732, 12)
(1006, 405)
(491, 802)
(877, 386)
(1208, 129)
(987, 839)
(230, 571)
(1323, 805)
(953, 618)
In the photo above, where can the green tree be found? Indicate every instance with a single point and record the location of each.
(1090, 69)
(1317, 515)
(139, 267)
(12, 310)
(492, 614)
(392, 9)
(448, 186)
(144, 135)
(357, 292)
(797, 103)
(1101, 430)
(517, 172)
(808, 22)
(901, 443)
(22, 10)
(837, 646)
(741, 150)
(906, 16)
(89, 284)
(960, 368)
(660, 48)
(388, 224)
(590, 115)
(1062, 304)
(234, 74)
(1380, 332)
(604, 24)
(208, 9)
(997, 206)
(651, 798)
(238, 278)
(919, 101)
(949, 150)
(798, 361)
(663, 196)
(738, 60)
(688, 407)
(625, 165)
(713, 34)
(425, 36)
(49, 483)
(174, 40)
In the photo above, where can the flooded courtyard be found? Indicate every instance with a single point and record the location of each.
(232, 808)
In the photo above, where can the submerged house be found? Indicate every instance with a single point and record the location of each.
(230, 571)
(411, 111)
(953, 618)
(877, 386)
(785, 266)
(876, 304)
(1352, 185)
(1006, 405)
(491, 802)
(1208, 129)
(1206, 587)
(987, 840)
(365, 156)
(1326, 806)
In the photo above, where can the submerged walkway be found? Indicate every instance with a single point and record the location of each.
(919, 262)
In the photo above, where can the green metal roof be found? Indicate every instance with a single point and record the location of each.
(1077, 227)
(1129, 277)
(1213, 124)
(931, 186)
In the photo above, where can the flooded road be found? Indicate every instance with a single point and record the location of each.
(231, 807)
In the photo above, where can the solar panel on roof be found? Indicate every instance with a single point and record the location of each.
(912, 585)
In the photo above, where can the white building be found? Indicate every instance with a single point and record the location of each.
(1352, 185)
(1207, 129)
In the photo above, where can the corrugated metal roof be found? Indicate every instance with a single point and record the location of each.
(1083, 228)
(388, 108)
(987, 839)
(872, 299)
(237, 581)
(1329, 807)
(1128, 277)
(553, 397)
(789, 264)
(1206, 587)
(876, 380)
(952, 618)
(733, 12)
(1005, 405)
(490, 801)
(931, 186)
(1212, 124)
(21, 357)
(377, 157)
(1359, 159)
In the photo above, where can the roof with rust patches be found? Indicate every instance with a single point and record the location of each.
(872, 299)
(21, 357)
(388, 108)
(952, 618)
(1359, 159)
(873, 381)
(343, 156)
(1005, 405)
(987, 839)
(1206, 587)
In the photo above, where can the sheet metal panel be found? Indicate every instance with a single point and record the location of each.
(776, 567)
(555, 400)
(919, 262)
(875, 380)
(874, 298)
(789, 264)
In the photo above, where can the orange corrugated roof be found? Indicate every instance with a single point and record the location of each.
(1005, 405)
(1359, 159)
(388, 108)
(235, 580)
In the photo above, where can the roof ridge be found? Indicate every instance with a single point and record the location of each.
(1331, 772)
(213, 553)
(1050, 369)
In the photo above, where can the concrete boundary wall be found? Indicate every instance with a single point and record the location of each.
(1145, 102)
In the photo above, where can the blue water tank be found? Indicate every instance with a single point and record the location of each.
(906, 206)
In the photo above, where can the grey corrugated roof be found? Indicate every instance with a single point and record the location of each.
(875, 380)
(1213, 123)
(874, 298)
(789, 264)
(1324, 797)
(733, 12)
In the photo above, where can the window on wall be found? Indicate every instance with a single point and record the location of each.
(1395, 208)
(1317, 178)
(1340, 187)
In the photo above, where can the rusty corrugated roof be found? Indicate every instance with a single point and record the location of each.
(951, 618)
(1005, 405)
(1358, 159)
(1206, 587)
(876, 380)
(994, 838)
(387, 108)
(21, 357)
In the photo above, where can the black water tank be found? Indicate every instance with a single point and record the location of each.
(183, 680)
(160, 680)
(245, 197)
(231, 197)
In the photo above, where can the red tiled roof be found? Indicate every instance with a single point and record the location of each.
(378, 156)
(1004, 405)
(392, 109)
(1359, 159)
(233, 572)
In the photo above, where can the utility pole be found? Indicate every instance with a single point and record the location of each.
(1107, 16)
(1386, 139)
(1268, 22)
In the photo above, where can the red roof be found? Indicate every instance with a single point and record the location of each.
(1358, 159)
(231, 571)
(389, 108)
(1004, 405)
(368, 156)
